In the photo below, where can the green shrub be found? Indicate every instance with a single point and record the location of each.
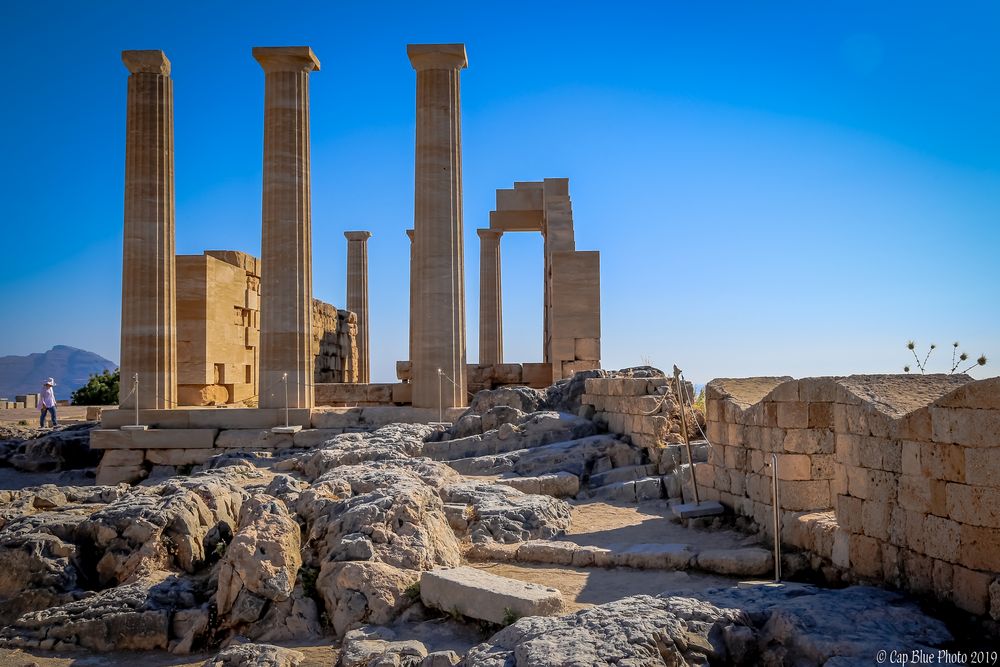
(101, 389)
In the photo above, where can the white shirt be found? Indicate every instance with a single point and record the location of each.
(48, 398)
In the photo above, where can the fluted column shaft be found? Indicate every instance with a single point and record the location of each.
(490, 298)
(439, 323)
(149, 315)
(286, 230)
(357, 296)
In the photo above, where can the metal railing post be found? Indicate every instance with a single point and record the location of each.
(440, 397)
(776, 499)
(284, 378)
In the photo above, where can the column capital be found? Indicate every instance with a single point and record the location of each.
(151, 61)
(409, 234)
(286, 58)
(357, 236)
(489, 233)
(437, 56)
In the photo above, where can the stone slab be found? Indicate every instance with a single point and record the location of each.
(488, 597)
(695, 510)
(174, 438)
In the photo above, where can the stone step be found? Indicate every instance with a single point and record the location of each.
(646, 488)
(169, 438)
(628, 473)
(740, 561)
(485, 596)
(557, 485)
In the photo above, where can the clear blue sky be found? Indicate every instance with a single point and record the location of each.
(775, 187)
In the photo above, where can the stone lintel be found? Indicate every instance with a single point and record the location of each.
(151, 61)
(286, 58)
(357, 236)
(437, 56)
(516, 221)
(488, 233)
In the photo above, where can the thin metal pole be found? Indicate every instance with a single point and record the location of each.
(440, 399)
(777, 518)
(135, 388)
(684, 432)
(284, 378)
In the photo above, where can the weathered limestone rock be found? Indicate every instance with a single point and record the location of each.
(805, 625)
(256, 655)
(67, 448)
(635, 631)
(478, 594)
(558, 485)
(505, 514)
(371, 647)
(286, 246)
(40, 562)
(535, 430)
(135, 616)
(357, 296)
(439, 311)
(594, 458)
(261, 562)
(149, 312)
(161, 527)
(356, 592)
(392, 442)
(389, 515)
(524, 399)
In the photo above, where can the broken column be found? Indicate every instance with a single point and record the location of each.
(286, 239)
(357, 296)
(490, 300)
(149, 315)
(439, 308)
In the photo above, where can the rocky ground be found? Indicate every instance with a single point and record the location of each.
(353, 552)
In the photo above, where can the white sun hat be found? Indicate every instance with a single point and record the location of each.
(50, 382)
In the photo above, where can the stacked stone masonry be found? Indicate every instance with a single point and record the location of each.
(218, 331)
(893, 479)
(20, 402)
(191, 436)
(572, 287)
(644, 409)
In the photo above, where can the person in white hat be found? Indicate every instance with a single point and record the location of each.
(47, 403)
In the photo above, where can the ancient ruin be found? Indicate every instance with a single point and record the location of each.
(149, 324)
(438, 308)
(218, 331)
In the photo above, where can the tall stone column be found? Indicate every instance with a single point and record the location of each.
(490, 300)
(357, 296)
(414, 281)
(439, 321)
(149, 310)
(286, 239)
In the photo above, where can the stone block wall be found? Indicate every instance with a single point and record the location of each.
(20, 402)
(644, 409)
(335, 343)
(491, 376)
(893, 479)
(218, 331)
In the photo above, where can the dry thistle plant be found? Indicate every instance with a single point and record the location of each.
(957, 358)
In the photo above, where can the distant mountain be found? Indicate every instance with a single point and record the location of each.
(69, 366)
